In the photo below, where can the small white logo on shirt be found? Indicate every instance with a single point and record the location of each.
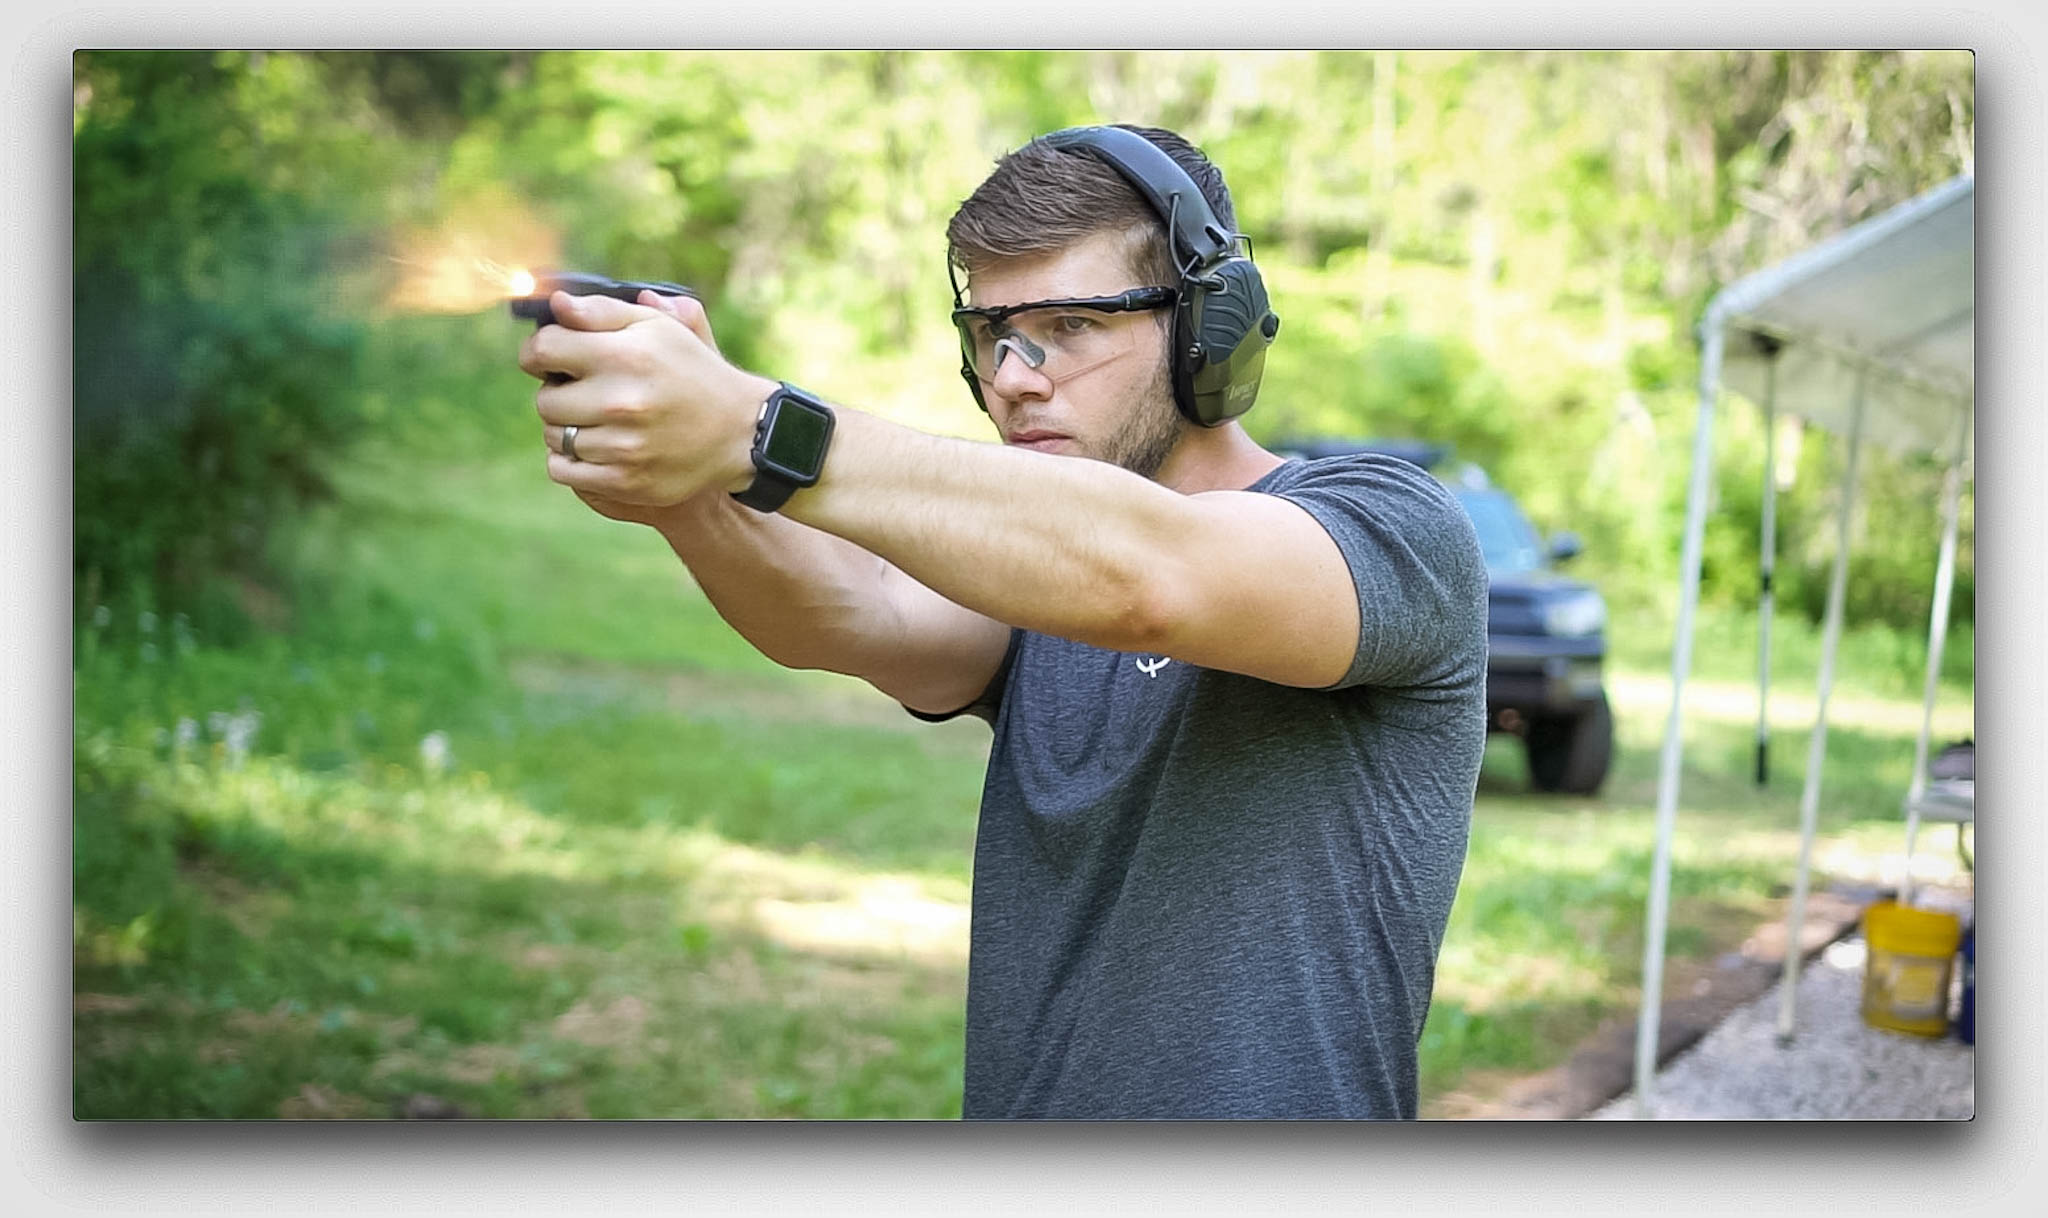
(1152, 669)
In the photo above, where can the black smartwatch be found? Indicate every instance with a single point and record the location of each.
(790, 438)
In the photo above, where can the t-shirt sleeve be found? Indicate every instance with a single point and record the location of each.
(990, 700)
(1416, 563)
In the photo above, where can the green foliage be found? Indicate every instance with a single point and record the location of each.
(1393, 383)
(1504, 251)
(210, 378)
(444, 383)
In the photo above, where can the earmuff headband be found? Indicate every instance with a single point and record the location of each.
(1197, 236)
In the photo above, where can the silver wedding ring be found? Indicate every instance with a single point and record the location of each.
(569, 442)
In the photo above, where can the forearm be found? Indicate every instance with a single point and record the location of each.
(1064, 546)
(807, 599)
(803, 598)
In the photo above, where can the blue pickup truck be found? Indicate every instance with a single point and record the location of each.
(1546, 632)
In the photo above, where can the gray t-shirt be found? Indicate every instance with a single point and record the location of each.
(1202, 895)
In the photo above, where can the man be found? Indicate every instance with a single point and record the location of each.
(1238, 702)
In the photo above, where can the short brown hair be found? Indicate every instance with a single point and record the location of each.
(1041, 199)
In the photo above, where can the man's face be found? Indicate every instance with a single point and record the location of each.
(1120, 410)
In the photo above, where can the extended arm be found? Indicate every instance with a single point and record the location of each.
(1087, 551)
(1081, 549)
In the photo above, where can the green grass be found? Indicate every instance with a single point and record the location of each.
(1870, 660)
(519, 825)
(374, 931)
(583, 907)
(590, 989)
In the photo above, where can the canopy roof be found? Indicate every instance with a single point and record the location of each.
(1895, 295)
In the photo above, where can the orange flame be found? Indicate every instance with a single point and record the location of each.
(453, 283)
(452, 269)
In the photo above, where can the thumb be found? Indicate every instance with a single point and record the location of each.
(595, 312)
(686, 309)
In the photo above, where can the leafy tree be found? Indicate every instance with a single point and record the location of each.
(209, 379)
(1504, 250)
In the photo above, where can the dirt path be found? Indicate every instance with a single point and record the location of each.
(1698, 996)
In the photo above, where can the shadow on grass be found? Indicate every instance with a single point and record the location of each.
(259, 945)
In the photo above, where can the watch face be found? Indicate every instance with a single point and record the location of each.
(796, 437)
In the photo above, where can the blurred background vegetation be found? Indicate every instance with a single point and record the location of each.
(403, 780)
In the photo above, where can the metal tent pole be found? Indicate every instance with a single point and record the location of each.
(1937, 634)
(1647, 1018)
(1767, 561)
(1809, 800)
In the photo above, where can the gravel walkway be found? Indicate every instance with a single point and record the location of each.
(1837, 1067)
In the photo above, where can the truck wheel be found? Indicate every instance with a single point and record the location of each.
(1570, 753)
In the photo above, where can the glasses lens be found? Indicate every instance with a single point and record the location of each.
(1066, 340)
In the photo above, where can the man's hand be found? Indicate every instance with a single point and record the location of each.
(660, 415)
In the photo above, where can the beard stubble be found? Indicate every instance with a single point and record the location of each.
(1153, 430)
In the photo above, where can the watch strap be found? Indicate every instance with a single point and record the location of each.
(767, 492)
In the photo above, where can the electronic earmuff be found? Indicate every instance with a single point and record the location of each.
(1222, 322)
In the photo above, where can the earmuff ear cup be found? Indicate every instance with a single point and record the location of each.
(1222, 330)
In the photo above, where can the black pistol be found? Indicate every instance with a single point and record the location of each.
(580, 283)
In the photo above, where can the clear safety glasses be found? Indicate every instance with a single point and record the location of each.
(1060, 338)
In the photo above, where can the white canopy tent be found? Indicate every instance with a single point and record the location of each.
(1871, 334)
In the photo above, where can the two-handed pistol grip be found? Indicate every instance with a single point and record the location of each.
(582, 283)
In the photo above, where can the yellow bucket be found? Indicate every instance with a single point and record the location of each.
(1906, 974)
